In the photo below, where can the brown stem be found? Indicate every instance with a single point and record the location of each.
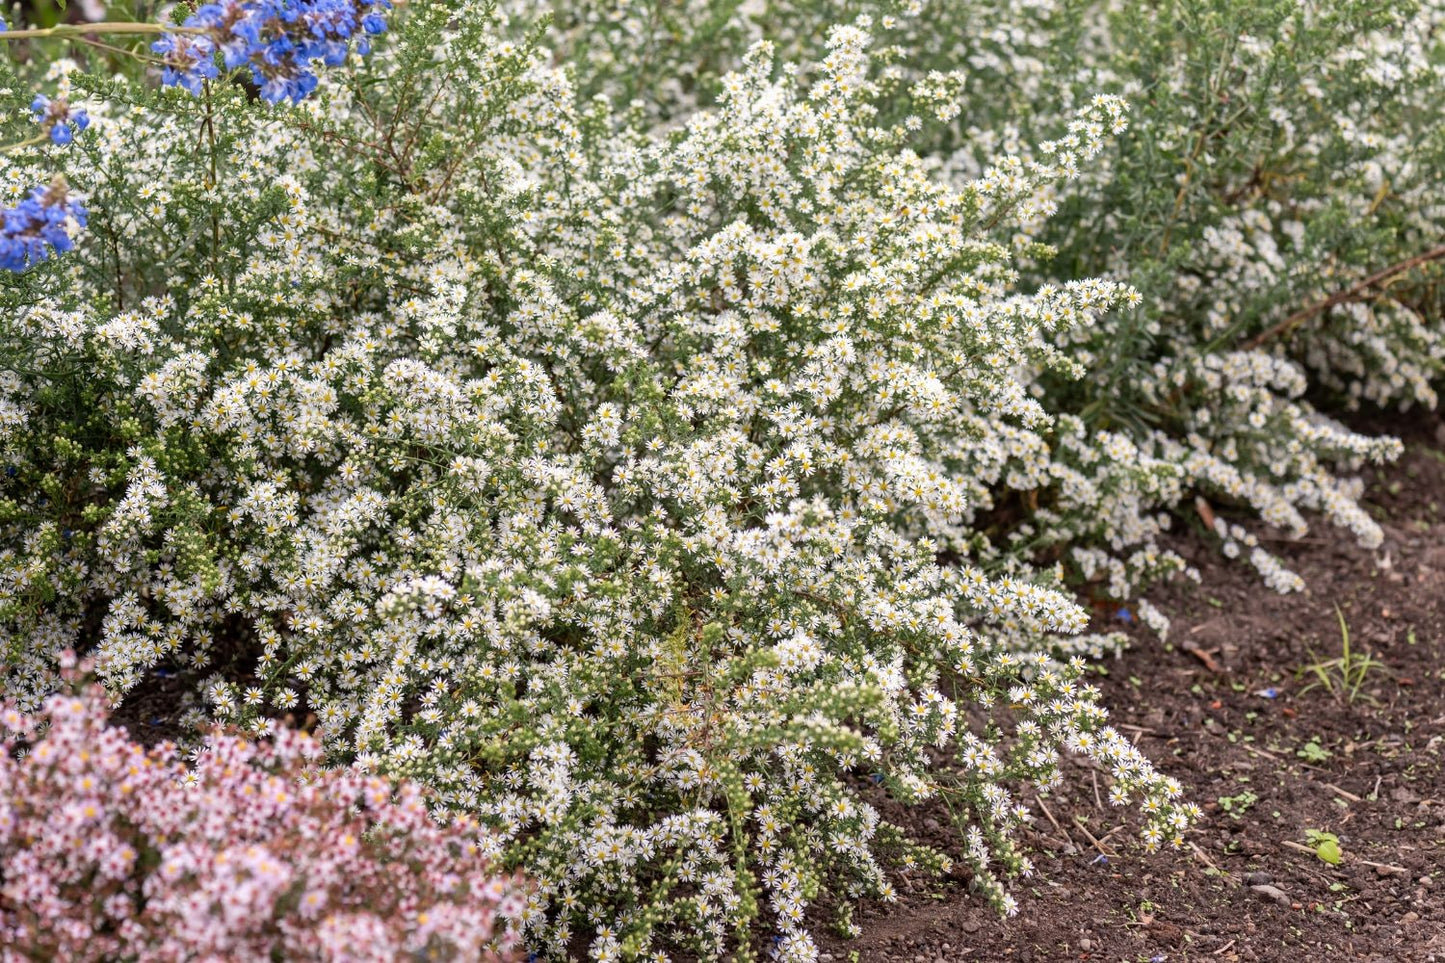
(376, 153)
(215, 185)
(1341, 297)
(1183, 188)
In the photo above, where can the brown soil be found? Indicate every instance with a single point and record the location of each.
(1266, 770)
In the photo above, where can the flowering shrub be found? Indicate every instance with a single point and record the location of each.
(111, 851)
(1247, 217)
(661, 472)
(1275, 202)
(598, 478)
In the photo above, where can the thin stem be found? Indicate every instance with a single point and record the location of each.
(355, 144)
(35, 141)
(214, 185)
(92, 42)
(1341, 297)
(112, 26)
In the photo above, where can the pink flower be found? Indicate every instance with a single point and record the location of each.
(108, 850)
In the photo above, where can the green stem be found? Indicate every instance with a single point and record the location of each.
(35, 141)
(75, 29)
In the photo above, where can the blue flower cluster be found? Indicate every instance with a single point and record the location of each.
(30, 229)
(59, 118)
(280, 40)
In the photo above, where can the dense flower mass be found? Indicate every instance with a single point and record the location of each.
(629, 532)
(1273, 165)
(110, 851)
(281, 41)
(680, 438)
(37, 226)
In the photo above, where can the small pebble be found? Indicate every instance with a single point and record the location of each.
(1086, 944)
(1258, 879)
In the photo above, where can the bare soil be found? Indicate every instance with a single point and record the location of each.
(1221, 706)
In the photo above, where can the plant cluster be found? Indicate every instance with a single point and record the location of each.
(669, 433)
(1275, 203)
(250, 852)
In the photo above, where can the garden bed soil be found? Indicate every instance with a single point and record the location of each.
(1248, 886)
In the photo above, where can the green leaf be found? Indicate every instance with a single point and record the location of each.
(1327, 845)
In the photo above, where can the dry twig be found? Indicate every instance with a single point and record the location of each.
(1341, 297)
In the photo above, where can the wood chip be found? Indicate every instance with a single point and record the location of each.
(1206, 514)
(1340, 792)
(1385, 868)
(1205, 656)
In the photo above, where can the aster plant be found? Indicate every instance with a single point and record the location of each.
(1275, 202)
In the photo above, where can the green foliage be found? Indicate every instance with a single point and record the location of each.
(1344, 675)
(1325, 845)
(1237, 805)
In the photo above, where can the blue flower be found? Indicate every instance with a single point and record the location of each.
(189, 60)
(59, 118)
(30, 230)
(279, 40)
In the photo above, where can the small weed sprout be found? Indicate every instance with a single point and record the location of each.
(1238, 804)
(1342, 676)
(1326, 845)
(1312, 751)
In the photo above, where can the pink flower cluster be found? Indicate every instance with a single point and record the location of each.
(112, 851)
